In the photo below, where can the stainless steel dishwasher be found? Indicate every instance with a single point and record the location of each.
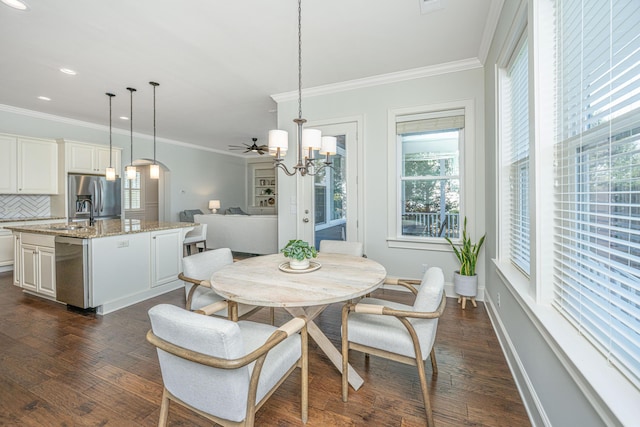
(72, 274)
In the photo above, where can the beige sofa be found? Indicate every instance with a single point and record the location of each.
(253, 234)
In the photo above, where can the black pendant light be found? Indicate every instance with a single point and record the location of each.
(110, 171)
(154, 169)
(131, 170)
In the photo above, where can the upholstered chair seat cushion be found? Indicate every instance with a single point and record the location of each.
(222, 392)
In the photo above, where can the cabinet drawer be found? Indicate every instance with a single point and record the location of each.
(38, 239)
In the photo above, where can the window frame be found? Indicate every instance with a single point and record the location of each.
(467, 171)
(519, 38)
(612, 395)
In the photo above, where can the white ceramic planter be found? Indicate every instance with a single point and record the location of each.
(298, 265)
(466, 286)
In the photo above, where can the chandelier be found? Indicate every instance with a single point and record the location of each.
(308, 140)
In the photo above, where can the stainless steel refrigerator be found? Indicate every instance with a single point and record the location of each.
(93, 196)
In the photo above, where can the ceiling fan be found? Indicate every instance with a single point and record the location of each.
(255, 148)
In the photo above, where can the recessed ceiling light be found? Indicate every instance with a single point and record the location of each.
(16, 4)
(43, 98)
(124, 117)
(68, 71)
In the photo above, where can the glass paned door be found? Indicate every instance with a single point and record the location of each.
(331, 195)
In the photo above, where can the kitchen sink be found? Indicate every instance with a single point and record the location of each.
(67, 227)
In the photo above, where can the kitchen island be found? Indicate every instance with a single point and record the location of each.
(122, 261)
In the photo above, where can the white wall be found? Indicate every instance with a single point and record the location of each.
(196, 175)
(373, 104)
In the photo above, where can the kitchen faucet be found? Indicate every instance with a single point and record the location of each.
(91, 220)
(81, 204)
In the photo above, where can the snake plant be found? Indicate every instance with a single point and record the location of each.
(467, 253)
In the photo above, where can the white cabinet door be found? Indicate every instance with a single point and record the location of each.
(102, 160)
(8, 170)
(29, 264)
(92, 159)
(17, 262)
(46, 271)
(6, 247)
(166, 256)
(37, 166)
(80, 158)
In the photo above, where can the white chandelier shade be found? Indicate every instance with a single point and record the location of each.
(308, 140)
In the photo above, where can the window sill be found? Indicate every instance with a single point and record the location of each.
(612, 396)
(431, 244)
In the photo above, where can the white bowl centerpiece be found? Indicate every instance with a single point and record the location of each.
(299, 252)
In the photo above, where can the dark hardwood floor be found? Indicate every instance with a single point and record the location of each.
(62, 368)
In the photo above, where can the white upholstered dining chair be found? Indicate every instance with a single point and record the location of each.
(395, 331)
(341, 247)
(225, 370)
(195, 237)
(196, 272)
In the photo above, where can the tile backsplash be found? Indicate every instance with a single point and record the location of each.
(24, 206)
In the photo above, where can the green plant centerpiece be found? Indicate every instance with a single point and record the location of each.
(299, 253)
(465, 281)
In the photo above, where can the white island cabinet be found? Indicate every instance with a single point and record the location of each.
(128, 261)
(38, 264)
(166, 257)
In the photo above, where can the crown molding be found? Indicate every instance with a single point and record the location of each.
(382, 79)
(491, 24)
(102, 128)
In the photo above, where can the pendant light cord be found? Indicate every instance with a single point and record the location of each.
(131, 90)
(110, 95)
(154, 84)
(300, 59)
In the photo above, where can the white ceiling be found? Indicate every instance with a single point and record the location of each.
(218, 62)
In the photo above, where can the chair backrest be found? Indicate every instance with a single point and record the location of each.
(430, 292)
(428, 299)
(199, 231)
(341, 247)
(221, 392)
(203, 264)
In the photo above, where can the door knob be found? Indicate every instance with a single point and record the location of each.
(305, 219)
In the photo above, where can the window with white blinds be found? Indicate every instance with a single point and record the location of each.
(516, 156)
(133, 193)
(429, 193)
(597, 176)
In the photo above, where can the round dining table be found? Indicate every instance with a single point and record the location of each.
(269, 282)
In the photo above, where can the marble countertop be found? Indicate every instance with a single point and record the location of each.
(47, 218)
(104, 228)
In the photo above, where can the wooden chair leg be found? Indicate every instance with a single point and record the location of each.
(305, 375)
(434, 364)
(425, 394)
(164, 409)
(345, 354)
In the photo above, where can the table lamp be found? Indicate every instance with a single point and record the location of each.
(214, 205)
